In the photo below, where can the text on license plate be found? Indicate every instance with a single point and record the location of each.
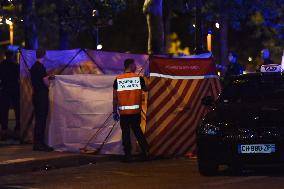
(256, 148)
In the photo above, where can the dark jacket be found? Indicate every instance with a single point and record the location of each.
(38, 72)
(234, 69)
(10, 76)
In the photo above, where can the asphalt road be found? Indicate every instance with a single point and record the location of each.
(176, 174)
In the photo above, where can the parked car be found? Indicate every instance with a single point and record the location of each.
(246, 124)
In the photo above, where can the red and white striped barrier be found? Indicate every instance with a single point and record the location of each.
(174, 103)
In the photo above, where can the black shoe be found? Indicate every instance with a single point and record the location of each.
(127, 159)
(145, 156)
(4, 135)
(44, 148)
(38, 148)
(16, 135)
(48, 148)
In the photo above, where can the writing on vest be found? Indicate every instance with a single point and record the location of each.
(128, 84)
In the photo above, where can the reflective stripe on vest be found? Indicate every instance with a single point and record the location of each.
(134, 107)
(128, 84)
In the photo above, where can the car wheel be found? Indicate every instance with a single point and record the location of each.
(207, 167)
(236, 169)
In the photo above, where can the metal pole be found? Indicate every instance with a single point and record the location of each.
(97, 37)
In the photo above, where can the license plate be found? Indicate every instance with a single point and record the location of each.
(256, 148)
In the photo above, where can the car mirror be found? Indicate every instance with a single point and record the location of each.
(208, 101)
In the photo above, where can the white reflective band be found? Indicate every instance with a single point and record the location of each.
(128, 84)
(183, 77)
(134, 107)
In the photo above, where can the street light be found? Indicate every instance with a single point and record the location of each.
(217, 25)
(95, 13)
(99, 47)
(11, 29)
(9, 22)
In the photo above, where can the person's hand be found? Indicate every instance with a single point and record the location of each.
(115, 116)
(51, 77)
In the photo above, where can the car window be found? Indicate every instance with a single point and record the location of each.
(253, 89)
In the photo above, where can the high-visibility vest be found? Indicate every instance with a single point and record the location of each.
(129, 93)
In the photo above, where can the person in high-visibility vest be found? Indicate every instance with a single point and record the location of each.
(127, 99)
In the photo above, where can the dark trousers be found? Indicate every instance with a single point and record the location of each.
(8, 99)
(133, 122)
(40, 101)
